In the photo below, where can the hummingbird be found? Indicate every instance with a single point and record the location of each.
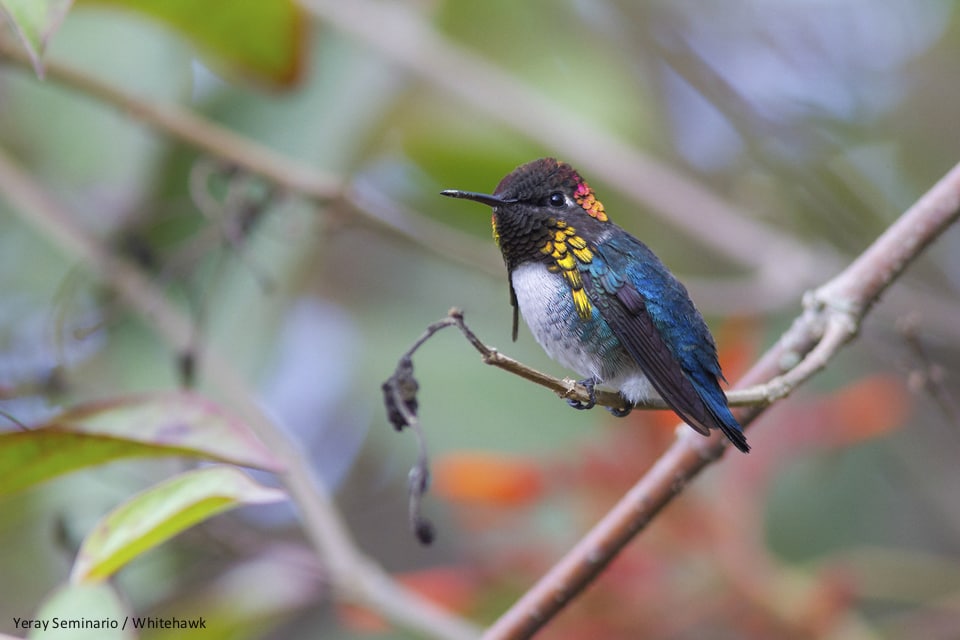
(599, 301)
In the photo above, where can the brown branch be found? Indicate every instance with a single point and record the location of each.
(400, 399)
(570, 389)
(444, 64)
(287, 173)
(186, 125)
(831, 318)
(408, 40)
(783, 267)
(767, 290)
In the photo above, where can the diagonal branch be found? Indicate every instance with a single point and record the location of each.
(767, 290)
(781, 267)
(832, 316)
(354, 576)
(407, 39)
(285, 172)
(186, 125)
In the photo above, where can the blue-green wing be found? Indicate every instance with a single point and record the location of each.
(654, 319)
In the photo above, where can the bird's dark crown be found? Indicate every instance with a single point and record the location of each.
(541, 205)
(545, 212)
(550, 184)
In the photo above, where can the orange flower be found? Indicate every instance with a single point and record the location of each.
(866, 409)
(487, 478)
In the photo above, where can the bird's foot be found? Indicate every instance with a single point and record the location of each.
(590, 384)
(620, 413)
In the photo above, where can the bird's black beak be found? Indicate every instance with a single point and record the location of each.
(489, 200)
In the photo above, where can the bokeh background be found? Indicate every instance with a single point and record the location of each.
(792, 134)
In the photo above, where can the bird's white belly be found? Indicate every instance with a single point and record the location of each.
(547, 307)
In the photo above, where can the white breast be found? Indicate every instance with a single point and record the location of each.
(547, 307)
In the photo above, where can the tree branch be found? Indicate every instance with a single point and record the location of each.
(353, 576)
(408, 40)
(185, 125)
(400, 400)
(782, 267)
(767, 291)
(287, 173)
(568, 388)
(832, 317)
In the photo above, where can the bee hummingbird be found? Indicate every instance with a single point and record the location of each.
(599, 301)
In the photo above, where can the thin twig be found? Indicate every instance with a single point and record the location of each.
(768, 290)
(832, 317)
(355, 577)
(287, 173)
(794, 345)
(783, 267)
(408, 40)
(570, 389)
(400, 399)
(12, 418)
(186, 125)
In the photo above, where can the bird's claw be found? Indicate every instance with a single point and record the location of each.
(620, 413)
(590, 384)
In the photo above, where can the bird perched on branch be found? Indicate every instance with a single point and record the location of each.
(599, 301)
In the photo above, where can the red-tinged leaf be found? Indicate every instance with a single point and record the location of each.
(182, 424)
(453, 588)
(487, 478)
(866, 409)
(161, 512)
(264, 40)
(180, 419)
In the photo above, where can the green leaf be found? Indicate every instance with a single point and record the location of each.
(149, 425)
(34, 22)
(161, 512)
(97, 605)
(262, 39)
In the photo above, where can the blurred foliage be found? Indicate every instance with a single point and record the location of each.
(91, 435)
(156, 515)
(34, 22)
(822, 123)
(254, 40)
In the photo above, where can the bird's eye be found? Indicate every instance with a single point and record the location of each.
(557, 199)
